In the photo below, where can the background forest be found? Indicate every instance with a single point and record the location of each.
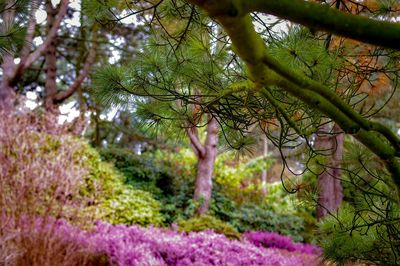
(199, 132)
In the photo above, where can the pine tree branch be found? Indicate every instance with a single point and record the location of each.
(313, 15)
(264, 72)
(322, 17)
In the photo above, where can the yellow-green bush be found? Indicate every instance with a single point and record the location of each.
(131, 206)
(114, 201)
(206, 222)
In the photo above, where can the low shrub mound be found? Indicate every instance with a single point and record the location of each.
(207, 222)
(131, 206)
(274, 240)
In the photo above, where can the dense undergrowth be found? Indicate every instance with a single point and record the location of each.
(54, 187)
(169, 176)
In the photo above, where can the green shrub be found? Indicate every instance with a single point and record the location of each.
(162, 173)
(103, 186)
(132, 206)
(253, 217)
(117, 202)
(168, 175)
(206, 222)
(259, 218)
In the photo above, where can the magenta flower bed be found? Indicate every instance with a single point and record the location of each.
(133, 245)
(152, 246)
(275, 240)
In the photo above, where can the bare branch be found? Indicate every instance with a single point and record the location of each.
(49, 38)
(61, 96)
(30, 31)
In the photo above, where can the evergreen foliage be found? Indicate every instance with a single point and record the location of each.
(367, 226)
(12, 33)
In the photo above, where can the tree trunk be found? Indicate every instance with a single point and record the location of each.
(264, 171)
(206, 155)
(330, 188)
(6, 89)
(51, 63)
(7, 93)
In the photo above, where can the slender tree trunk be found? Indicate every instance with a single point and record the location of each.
(330, 188)
(206, 154)
(51, 63)
(7, 93)
(264, 171)
(6, 89)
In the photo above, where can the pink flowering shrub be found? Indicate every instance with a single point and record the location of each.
(275, 240)
(137, 246)
(122, 245)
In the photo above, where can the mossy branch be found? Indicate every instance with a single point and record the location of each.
(322, 17)
(312, 15)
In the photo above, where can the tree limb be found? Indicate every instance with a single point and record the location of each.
(198, 148)
(312, 15)
(29, 32)
(249, 45)
(61, 96)
(42, 48)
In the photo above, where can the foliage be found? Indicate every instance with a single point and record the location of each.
(367, 225)
(279, 211)
(136, 246)
(39, 172)
(56, 242)
(253, 217)
(241, 182)
(141, 172)
(174, 175)
(12, 34)
(117, 202)
(341, 243)
(131, 206)
(40, 175)
(207, 222)
(274, 240)
(168, 175)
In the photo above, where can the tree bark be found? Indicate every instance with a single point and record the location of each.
(264, 171)
(12, 72)
(7, 93)
(206, 154)
(6, 90)
(330, 188)
(50, 87)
